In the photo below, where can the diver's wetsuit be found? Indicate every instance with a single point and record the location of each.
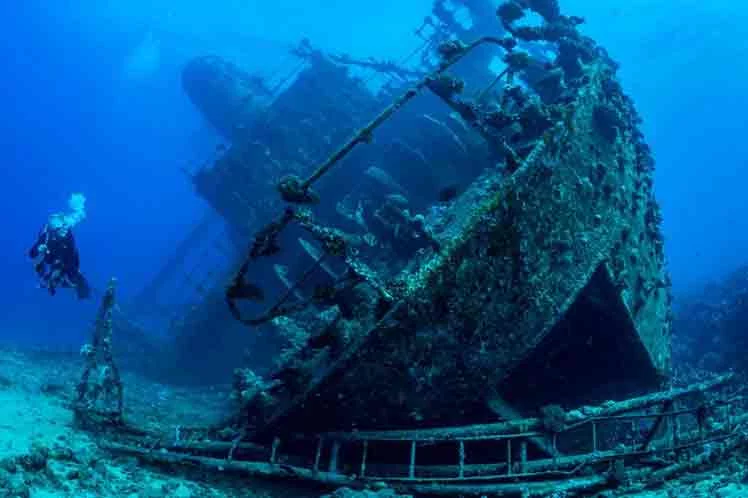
(57, 261)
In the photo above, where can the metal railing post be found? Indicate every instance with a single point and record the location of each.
(274, 450)
(364, 454)
(318, 454)
(461, 459)
(334, 457)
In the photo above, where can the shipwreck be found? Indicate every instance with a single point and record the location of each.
(541, 282)
(457, 257)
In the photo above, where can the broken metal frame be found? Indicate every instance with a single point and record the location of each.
(278, 309)
(296, 190)
(523, 430)
(379, 66)
(503, 478)
(99, 399)
(266, 244)
(149, 296)
(301, 188)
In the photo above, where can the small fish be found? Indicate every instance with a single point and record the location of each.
(448, 193)
(385, 179)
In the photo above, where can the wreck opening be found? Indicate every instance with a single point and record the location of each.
(591, 355)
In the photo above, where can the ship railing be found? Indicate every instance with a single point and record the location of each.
(667, 430)
(680, 429)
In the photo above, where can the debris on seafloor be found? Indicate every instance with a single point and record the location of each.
(98, 402)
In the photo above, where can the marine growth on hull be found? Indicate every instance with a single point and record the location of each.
(535, 277)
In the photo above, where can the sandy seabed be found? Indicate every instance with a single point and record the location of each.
(43, 455)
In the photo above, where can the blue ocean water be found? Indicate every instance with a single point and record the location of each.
(92, 103)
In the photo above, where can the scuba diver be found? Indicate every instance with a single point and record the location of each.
(55, 254)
